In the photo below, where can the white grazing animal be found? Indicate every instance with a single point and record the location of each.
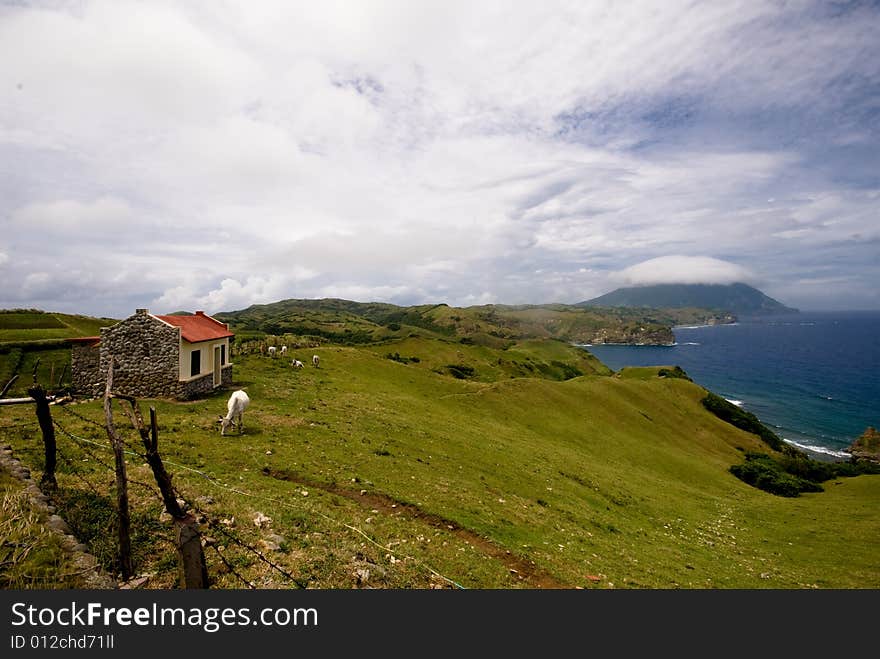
(315, 360)
(236, 405)
(297, 364)
(284, 351)
(271, 351)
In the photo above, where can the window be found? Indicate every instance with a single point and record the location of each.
(223, 353)
(195, 362)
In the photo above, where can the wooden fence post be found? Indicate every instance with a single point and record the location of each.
(125, 564)
(44, 417)
(192, 567)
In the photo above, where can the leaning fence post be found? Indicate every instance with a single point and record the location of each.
(44, 418)
(125, 564)
(193, 568)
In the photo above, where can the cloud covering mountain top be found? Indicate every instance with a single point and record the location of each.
(213, 155)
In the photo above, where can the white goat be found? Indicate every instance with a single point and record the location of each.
(236, 405)
(297, 364)
(315, 360)
(271, 351)
(284, 351)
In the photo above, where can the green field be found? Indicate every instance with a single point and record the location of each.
(29, 338)
(391, 472)
(17, 326)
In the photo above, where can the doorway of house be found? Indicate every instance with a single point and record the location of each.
(218, 376)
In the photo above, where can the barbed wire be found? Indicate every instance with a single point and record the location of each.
(14, 426)
(232, 569)
(66, 409)
(350, 527)
(86, 449)
(104, 428)
(217, 525)
(153, 489)
(76, 471)
(244, 493)
(214, 524)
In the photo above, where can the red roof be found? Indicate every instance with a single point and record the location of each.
(198, 327)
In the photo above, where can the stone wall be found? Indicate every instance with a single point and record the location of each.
(146, 356)
(203, 386)
(197, 388)
(85, 369)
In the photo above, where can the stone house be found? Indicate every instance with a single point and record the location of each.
(181, 357)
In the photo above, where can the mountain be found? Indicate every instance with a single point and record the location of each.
(740, 299)
(347, 322)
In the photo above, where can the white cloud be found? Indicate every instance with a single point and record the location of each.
(215, 155)
(70, 216)
(677, 269)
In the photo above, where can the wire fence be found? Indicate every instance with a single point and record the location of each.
(90, 448)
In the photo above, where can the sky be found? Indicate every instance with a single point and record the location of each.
(213, 155)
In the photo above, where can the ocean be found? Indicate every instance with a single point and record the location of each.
(812, 377)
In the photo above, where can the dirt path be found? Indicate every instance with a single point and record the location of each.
(526, 571)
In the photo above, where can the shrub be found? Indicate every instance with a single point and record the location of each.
(677, 372)
(396, 357)
(742, 419)
(763, 472)
(791, 474)
(568, 370)
(460, 371)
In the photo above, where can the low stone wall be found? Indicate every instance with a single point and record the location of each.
(89, 570)
(197, 388)
(85, 369)
(203, 386)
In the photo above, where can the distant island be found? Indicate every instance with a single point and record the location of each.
(729, 299)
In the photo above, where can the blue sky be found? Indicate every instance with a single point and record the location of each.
(212, 155)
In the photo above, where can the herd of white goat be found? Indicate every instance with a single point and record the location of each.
(239, 400)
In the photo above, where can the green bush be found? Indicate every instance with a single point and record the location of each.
(396, 357)
(742, 419)
(765, 473)
(793, 473)
(677, 372)
(460, 371)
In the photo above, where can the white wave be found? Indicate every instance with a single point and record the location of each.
(690, 326)
(819, 449)
(688, 343)
(738, 403)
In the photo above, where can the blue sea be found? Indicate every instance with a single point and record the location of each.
(813, 377)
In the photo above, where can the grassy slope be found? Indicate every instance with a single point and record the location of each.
(597, 480)
(27, 326)
(26, 336)
(31, 556)
(493, 325)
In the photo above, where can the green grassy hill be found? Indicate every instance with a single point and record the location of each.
(383, 471)
(342, 321)
(30, 337)
(20, 326)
